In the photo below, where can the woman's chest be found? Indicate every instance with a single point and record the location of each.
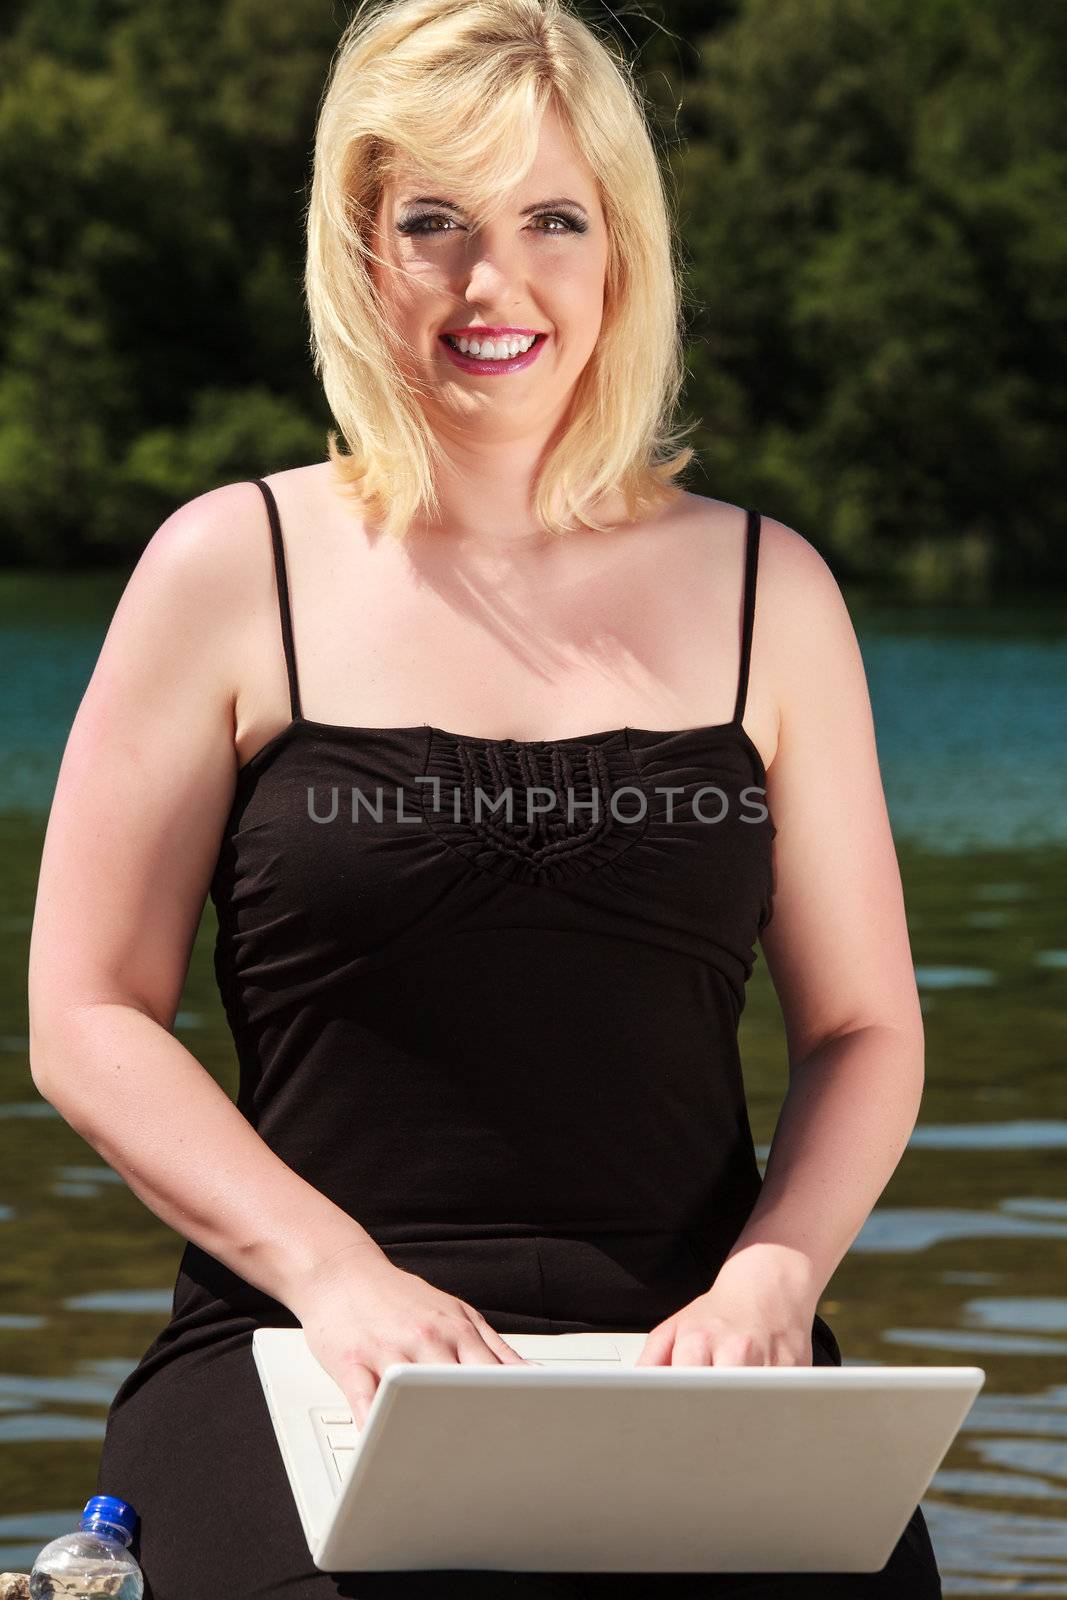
(354, 845)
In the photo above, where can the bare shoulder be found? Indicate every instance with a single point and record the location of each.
(789, 559)
(180, 629)
(795, 588)
(786, 557)
(202, 549)
(807, 633)
(796, 583)
(206, 576)
(803, 640)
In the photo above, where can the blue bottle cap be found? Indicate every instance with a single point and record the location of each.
(108, 1508)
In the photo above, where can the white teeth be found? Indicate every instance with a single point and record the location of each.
(503, 349)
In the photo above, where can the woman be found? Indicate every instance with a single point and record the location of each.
(489, 1074)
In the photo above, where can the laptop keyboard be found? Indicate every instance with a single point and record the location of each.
(338, 1435)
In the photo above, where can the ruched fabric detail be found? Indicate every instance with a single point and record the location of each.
(542, 813)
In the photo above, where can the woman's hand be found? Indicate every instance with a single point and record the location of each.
(359, 1312)
(757, 1313)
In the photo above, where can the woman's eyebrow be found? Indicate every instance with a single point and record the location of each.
(540, 205)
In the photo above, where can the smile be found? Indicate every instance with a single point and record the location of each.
(492, 363)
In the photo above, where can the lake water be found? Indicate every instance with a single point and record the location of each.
(964, 1259)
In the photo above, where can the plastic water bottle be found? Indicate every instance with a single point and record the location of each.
(94, 1559)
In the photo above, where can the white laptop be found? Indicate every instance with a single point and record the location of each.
(583, 1462)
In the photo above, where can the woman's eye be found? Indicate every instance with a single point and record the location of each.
(422, 223)
(569, 224)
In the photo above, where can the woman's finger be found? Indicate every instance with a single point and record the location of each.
(492, 1345)
(656, 1350)
(361, 1384)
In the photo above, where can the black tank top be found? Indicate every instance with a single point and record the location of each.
(460, 1024)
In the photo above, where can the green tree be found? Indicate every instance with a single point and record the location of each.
(871, 205)
(873, 202)
(151, 189)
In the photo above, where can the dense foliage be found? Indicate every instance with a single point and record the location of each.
(871, 198)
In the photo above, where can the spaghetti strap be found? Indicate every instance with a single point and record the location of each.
(283, 595)
(751, 559)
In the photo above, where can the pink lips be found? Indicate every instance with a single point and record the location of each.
(483, 332)
(475, 364)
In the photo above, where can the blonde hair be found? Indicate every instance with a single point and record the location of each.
(417, 78)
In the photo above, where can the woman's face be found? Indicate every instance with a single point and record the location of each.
(536, 268)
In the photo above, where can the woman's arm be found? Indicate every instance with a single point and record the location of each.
(837, 945)
(143, 793)
(838, 952)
